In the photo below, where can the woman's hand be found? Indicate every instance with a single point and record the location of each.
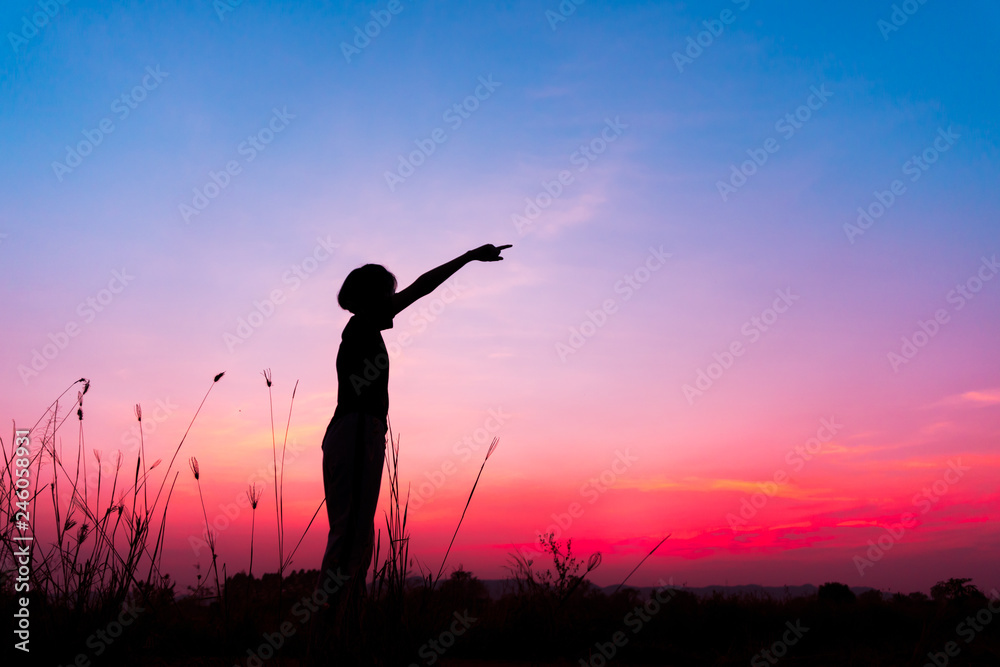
(487, 253)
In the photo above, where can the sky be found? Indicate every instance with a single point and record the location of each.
(751, 303)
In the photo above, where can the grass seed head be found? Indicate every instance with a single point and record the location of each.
(253, 494)
(594, 561)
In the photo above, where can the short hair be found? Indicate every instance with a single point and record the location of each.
(365, 287)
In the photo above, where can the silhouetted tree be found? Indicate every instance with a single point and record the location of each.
(464, 587)
(874, 596)
(956, 590)
(836, 593)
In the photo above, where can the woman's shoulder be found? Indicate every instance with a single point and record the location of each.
(367, 325)
(360, 326)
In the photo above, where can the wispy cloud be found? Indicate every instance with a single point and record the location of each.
(980, 398)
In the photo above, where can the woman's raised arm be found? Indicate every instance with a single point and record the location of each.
(431, 280)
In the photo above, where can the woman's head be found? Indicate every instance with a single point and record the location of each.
(367, 288)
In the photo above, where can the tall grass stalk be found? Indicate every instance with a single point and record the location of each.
(184, 437)
(493, 446)
(142, 454)
(279, 479)
(390, 579)
(253, 495)
(291, 555)
(274, 459)
(640, 563)
(208, 527)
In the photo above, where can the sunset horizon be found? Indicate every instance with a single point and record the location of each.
(748, 298)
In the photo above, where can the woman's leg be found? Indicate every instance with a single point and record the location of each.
(368, 464)
(353, 457)
(338, 482)
(368, 485)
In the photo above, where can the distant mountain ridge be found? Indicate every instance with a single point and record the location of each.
(495, 587)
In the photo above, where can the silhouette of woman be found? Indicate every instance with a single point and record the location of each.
(354, 444)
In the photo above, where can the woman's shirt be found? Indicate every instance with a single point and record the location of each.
(363, 368)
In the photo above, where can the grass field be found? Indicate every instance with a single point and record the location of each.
(98, 596)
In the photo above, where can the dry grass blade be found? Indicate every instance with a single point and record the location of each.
(640, 563)
(183, 438)
(208, 527)
(493, 446)
(253, 495)
(308, 526)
